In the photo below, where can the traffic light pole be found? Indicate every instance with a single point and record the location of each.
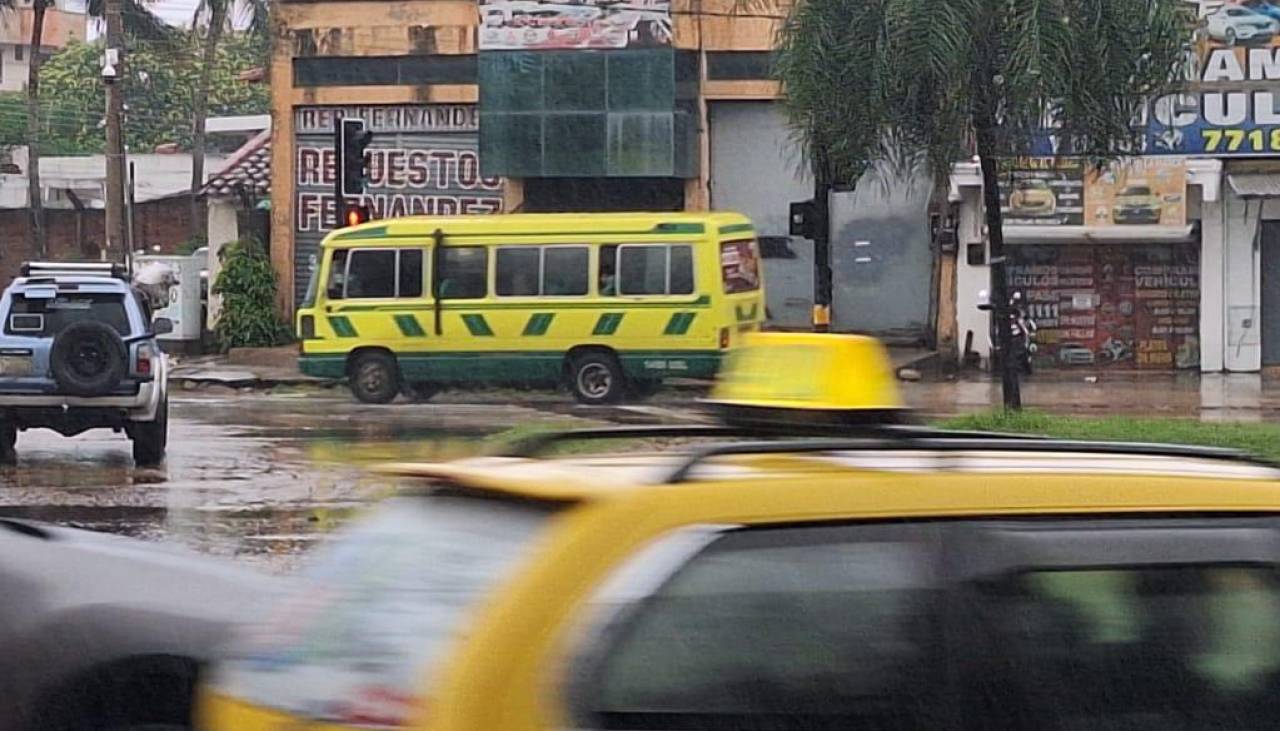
(339, 197)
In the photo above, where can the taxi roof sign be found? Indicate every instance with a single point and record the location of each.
(787, 375)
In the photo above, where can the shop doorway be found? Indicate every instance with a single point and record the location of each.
(1271, 293)
(1112, 305)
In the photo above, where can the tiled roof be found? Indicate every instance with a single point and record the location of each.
(248, 169)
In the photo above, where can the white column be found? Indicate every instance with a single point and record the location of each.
(1242, 283)
(1213, 315)
(223, 229)
(970, 280)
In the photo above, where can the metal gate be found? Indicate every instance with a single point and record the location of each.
(882, 264)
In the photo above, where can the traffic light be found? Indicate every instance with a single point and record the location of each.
(804, 219)
(356, 215)
(354, 139)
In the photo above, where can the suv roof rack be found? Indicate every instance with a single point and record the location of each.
(52, 269)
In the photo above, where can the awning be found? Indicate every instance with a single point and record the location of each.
(1116, 234)
(1254, 185)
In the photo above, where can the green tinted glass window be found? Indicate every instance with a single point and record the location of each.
(510, 144)
(641, 81)
(575, 144)
(511, 82)
(575, 81)
(640, 144)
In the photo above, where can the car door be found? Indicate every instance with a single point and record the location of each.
(818, 628)
(1157, 623)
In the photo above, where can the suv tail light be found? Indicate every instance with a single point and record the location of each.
(724, 338)
(145, 354)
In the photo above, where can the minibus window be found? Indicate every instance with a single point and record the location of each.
(681, 270)
(643, 270)
(564, 271)
(517, 271)
(607, 282)
(739, 266)
(372, 274)
(464, 272)
(410, 273)
(336, 288)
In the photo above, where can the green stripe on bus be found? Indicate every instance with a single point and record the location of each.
(538, 323)
(747, 315)
(608, 323)
(736, 228)
(342, 327)
(679, 323)
(477, 325)
(409, 326)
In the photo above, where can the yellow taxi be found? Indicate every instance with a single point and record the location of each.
(835, 572)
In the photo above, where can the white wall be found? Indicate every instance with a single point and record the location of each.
(971, 280)
(223, 229)
(1212, 291)
(1242, 283)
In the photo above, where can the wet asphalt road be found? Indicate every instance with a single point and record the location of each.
(260, 477)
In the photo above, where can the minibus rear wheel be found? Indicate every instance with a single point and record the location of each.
(596, 377)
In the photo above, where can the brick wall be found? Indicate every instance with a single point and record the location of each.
(165, 223)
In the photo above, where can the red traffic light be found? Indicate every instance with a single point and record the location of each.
(357, 215)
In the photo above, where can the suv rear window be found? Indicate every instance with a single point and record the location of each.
(71, 307)
(381, 607)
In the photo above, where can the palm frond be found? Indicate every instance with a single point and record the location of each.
(139, 21)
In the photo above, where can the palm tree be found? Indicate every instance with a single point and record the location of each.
(217, 17)
(866, 80)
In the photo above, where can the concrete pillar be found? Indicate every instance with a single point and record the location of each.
(970, 280)
(224, 228)
(1242, 283)
(1213, 317)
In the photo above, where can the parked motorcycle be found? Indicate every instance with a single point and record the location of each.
(1023, 327)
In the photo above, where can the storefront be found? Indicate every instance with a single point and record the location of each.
(423, 160)
(1108, 261)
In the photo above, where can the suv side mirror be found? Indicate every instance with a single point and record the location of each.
(162, 326)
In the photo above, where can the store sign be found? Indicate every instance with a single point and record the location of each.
(1232, 108)
(1067, 192)
(423, 160)
(531, 25)
(1128, 306)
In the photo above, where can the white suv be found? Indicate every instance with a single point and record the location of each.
(78, 351)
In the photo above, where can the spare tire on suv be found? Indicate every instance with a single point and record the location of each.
(88, 358)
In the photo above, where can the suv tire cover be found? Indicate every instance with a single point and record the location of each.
(88, 359)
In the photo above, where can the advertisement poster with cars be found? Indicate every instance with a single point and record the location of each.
(1132, 306)
(1066, 192)
(527, 25)
(1231, 107)
(423, 160)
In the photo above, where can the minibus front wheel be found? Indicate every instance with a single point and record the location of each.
(374, 377)
(596, 377)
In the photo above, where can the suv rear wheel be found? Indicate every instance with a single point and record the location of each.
(150, 438)
(88, 358)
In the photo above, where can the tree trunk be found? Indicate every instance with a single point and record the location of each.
(1010, 387)
(39, 239)
(200, 107)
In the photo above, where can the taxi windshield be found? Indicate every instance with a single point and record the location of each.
(379, 608)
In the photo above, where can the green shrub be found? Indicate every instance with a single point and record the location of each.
(247, 285)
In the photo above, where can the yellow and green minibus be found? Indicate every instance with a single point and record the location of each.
(609, 304)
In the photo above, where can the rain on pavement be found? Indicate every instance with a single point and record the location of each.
(260, 476)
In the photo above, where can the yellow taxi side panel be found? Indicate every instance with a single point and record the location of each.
(509, 674)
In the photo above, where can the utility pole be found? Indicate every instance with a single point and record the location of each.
(113, 77)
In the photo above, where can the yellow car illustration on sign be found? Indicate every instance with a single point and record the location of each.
(1032, 197)
(1137, 203)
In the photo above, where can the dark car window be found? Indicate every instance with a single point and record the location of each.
(807, 628)
(1140, 647)
(68, 308)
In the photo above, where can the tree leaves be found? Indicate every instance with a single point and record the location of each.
(159, 87)
(247, 284)
(887, 80)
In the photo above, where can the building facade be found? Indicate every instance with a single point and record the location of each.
(1170, 260)
(64, 22)
(481, 106)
